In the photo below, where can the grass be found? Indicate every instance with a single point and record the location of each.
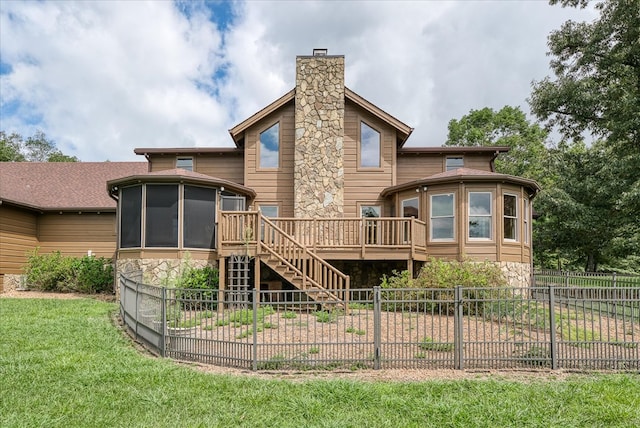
(427, 344)
(357, 331)
(64, 364)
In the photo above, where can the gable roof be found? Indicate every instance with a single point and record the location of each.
(463, 175)
(62, 186)
(403, 130)
(178, 175)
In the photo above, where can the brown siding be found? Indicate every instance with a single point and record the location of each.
(478, 161)
(414, 166)
(272, 186)
(162, 162)
(75, 234)
(365, 185)
(17, 238)
(227, 166)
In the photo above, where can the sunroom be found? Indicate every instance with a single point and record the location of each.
(170, 216)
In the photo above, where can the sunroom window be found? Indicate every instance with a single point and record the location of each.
(199, 217)
(442, 217)
(161, 218)
(480, 215)
(131, 217)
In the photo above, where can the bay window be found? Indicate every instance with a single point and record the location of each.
(480, 215)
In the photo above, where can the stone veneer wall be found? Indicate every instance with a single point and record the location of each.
(319, 137)
(517, 274)
(158, 271)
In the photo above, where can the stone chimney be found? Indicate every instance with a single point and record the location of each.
(319, 122)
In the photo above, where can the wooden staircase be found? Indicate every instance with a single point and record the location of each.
(300, 266)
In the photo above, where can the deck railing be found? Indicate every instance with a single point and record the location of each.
(314, 271)
(334, 233)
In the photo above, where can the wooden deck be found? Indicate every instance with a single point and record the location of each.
(391, 238)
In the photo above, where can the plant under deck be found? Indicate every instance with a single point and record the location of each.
(63, 364)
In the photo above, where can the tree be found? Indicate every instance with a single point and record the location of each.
(597, 68)
(582, 219)
(37, 148)
(10, 147)
(507, 127)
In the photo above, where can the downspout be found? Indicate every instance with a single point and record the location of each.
(491, 162)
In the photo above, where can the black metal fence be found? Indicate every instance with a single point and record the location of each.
(461, 328)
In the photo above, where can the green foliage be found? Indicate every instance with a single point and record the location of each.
(37, 148)
(55, 272)
(439, 274)
(507, 127)
(597, 76)
(428, 344)
(326, 316)
(583, 221)
(198, 287)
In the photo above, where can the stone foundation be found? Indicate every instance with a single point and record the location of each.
(517, 274)
(12, 282)
(163, 272)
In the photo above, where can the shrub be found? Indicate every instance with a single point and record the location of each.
(198, 288)
(435, 282)
(55, 272)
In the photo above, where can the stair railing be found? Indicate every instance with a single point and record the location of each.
(313, 269)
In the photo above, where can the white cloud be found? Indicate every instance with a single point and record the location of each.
(106, 77)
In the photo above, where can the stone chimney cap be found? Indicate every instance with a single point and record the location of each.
(320, 52)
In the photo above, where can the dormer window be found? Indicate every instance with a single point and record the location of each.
(185, 163)
(454, 162)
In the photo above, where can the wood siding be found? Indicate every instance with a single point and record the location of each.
(414, 166)
(18, 229)
(363, 185)
(75, 234)
(228, 166)
(273, 186)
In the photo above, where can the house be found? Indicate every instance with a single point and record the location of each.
(57, 206)
(320, 192)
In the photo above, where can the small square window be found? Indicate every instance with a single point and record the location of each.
(185, 163)
(454, 162)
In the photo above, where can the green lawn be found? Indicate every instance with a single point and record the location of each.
(63, 364)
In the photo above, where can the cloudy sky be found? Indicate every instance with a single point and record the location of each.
(101, 78)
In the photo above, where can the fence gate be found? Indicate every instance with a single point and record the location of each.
(239, 280)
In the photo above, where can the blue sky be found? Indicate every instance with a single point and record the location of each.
(101, 78)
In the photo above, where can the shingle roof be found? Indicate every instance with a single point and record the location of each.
(63, 185)
(178, 174)
(463, 175)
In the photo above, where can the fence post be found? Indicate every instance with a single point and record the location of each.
(254, 357)
(136, 313)
(613, 280)
(552, 329)
(163, 321)
(566, 279)
(377, 326)
(457, 329)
